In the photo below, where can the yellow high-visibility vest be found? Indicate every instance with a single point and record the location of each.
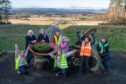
(58, 41)
(17, 62)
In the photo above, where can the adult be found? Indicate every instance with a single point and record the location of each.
(42, 37)
(30, 39)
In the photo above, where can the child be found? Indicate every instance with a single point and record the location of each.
(21, 65)
(85, 54)
(103, 50)
(57, 38)
(65, 44)
(60, 62)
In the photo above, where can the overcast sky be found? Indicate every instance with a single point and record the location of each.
(96, 4)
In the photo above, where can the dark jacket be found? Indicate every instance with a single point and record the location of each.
(93, 40)
(80, 38)
(42, 37)
(103, 49)
(28, 40)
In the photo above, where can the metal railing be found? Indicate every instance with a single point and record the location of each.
(117, 42)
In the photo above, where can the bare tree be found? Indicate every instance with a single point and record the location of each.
(0, 10)
(5, 5)
(117, 9)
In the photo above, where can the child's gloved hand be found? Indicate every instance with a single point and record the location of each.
(75, 50)
(43, 40)
(16, 46)
(50, 54)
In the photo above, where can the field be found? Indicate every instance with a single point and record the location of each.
(11, 34)
(50, 22)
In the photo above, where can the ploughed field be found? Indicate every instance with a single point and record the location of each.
(116, 75)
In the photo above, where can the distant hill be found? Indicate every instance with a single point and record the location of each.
(55, 11)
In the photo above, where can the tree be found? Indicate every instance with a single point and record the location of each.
(5, 5)
(0, 10)
(117, 9)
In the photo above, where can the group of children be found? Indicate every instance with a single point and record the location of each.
(89, 45)
(22, 61)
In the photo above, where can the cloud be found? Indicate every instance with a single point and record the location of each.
(61, 3)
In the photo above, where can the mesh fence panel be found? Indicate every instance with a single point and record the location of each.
(7, 42)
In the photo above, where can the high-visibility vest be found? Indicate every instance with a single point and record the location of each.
(17, 62)
(64, 64)
(103, 46)
(86, 50)
(58, 40)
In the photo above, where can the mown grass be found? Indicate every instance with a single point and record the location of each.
(116, 36)
(16, 33)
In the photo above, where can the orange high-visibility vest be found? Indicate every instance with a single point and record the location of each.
(86, 50)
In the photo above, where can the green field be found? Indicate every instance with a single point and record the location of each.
(11, 34)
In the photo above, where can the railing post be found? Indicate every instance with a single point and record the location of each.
(4, 43)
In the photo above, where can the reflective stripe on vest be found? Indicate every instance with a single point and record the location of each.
(103, 46)
(86, 50)
(82, 48)
(17, 62)
(64, 64)
(58, 41)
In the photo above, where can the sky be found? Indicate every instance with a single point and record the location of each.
(95, 4)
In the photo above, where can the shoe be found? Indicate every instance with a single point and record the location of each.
(57, 75)
(18, 72)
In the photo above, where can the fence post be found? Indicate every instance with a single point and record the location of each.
(4, 40)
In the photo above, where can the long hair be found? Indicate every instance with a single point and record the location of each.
(87, 38)
(58, 49)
